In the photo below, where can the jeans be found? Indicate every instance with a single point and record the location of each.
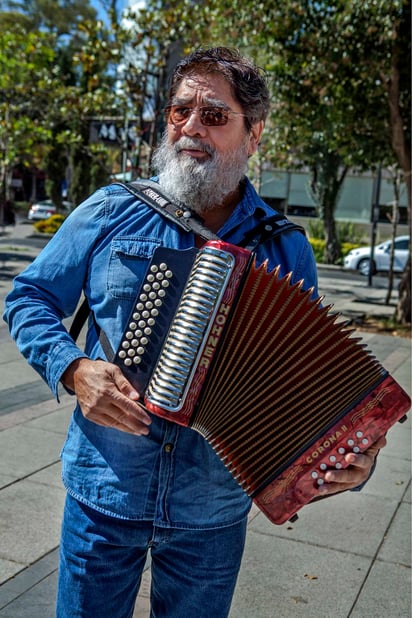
(194, 572)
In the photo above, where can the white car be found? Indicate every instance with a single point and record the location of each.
(45, 209)
(360, 259)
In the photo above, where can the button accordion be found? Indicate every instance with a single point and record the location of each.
(274, 381)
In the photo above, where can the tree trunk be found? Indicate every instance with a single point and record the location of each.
(328, 175)
(402, 150)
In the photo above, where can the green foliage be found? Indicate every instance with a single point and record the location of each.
(50, 225)
(349, 232)
(315, 229)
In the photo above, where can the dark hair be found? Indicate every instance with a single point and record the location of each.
(244, 77)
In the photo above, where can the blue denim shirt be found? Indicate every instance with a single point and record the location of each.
(172, 476)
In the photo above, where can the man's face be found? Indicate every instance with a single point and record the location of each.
(210, 90)
(199, 164)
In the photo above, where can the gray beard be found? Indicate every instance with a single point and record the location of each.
(201, 185)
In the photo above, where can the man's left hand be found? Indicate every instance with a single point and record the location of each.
(357, 472)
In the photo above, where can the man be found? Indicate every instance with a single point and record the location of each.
(135, 481)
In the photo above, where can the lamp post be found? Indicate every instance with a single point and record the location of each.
(374, 218)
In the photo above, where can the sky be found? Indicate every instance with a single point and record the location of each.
(122, 4)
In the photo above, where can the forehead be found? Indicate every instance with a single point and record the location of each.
(210, 88)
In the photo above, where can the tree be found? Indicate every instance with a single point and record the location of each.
(340, 78)
(25, 61)
(74, 83)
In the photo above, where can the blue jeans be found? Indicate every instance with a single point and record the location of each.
(194, 572)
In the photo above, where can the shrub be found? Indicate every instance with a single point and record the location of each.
(318, 247)
(50, 225)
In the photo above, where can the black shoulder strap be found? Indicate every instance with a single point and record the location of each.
(269, 228)
(149, 192)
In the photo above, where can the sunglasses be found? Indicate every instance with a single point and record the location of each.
(209, 116)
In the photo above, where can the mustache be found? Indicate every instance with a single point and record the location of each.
(187, 143)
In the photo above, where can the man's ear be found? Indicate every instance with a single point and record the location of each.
(254, 137)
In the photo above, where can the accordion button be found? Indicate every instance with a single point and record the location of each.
(128, 362)
(356, 449)
(122, 354)
(341, 450)
(125, 345)
(365, 441)
(332, 458)
(323, 466)
(351, 442)
(137, 360)
(320, 481)
(359, 434)
(338, 466)
(315, 474)
(163, 266)
(169, 274)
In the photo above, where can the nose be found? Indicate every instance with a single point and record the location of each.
(193, 126)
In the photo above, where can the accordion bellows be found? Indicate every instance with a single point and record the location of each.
(276, 384)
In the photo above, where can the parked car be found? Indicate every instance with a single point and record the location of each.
(45, 209)
(360, 259)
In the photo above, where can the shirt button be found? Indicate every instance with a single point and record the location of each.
(168, 447)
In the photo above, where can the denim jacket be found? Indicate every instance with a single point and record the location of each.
(172, 476)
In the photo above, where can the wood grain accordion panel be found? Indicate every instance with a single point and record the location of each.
(276, 384)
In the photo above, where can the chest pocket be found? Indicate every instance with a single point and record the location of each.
(128, 262)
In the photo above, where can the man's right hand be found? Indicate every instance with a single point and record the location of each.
(105, 396)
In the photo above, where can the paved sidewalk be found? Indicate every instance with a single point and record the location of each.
(348, 556)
